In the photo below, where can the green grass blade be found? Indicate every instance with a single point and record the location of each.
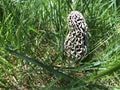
(106, 72)
(33, 61)
(49, 86)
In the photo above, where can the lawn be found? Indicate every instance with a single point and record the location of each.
(32, 35)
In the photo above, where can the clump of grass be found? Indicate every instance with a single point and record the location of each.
(37, 29)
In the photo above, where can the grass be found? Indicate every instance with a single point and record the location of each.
(32, 34)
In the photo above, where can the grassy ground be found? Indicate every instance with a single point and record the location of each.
(32, 34)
